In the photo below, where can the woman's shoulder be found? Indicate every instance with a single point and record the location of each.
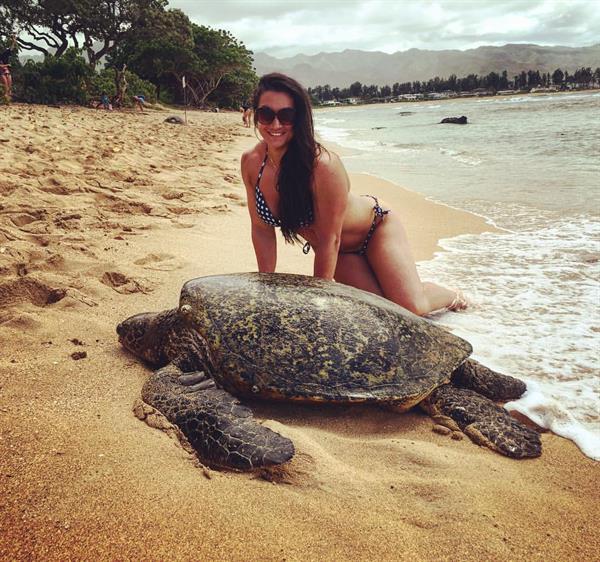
(328, 163)
(253, 155)
(326, 156)
(250, 163)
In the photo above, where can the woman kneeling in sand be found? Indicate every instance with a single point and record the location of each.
(293, 183)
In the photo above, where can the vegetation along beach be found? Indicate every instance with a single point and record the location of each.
(105, 213)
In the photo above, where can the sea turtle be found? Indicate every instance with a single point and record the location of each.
(293, 337)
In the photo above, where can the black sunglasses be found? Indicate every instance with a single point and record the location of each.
(266, 115)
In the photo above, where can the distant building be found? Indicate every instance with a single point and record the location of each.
(410, 97)
(547, 90)
(437, 96)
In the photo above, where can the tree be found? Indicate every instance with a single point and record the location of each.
(356, 89)
(583, 76)
(452, 83)
(533, 78)
(62, 79)
(492, 81)
(218, 54)
(235, 88)
(166, 46)
(159, 49)
(97, 26)
(469, 83)
(523, 80)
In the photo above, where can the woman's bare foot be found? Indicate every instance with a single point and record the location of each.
(459, 302)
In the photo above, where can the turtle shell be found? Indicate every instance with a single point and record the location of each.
(295, 337)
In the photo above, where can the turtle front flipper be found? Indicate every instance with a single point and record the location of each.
(496, 386)
(483, 421)
(222, 431)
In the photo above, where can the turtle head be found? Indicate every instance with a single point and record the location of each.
(152, 336)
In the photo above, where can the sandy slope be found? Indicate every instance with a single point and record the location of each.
(104, 215)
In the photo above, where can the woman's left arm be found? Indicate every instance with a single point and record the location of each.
(330, 197)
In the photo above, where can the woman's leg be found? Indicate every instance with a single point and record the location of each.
(392, 262)
(6, 86)
(354, 270)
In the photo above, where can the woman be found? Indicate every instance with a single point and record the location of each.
(293, 183)
(5, 69)
(140, 101)
(246, 110)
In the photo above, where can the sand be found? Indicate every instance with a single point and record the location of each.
(103, 215)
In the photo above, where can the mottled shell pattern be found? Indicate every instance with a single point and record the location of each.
(295, 337)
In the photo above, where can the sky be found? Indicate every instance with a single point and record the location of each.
(283, 28)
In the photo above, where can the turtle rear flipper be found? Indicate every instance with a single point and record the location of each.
(222, 431)
(483, 421)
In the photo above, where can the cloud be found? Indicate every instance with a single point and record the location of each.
(284, 28)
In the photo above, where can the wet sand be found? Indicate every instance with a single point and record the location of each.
(103, 215)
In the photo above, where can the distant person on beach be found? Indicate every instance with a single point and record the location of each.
(105, 102)
(246, 110)
(292, 182)
(140, 101)
(5, 69)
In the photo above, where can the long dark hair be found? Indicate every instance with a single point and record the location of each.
(298, 162)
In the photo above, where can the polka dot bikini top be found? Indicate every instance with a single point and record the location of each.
(261, 205)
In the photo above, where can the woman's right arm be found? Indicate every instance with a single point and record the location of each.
(265, 247)
(264, 239)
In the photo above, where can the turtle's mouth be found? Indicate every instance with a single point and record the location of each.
(133, 331)
(121, 331)
(148, 335)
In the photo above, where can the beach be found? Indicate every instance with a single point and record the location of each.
(104, 215)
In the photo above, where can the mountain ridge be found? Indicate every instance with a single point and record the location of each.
(341, 68)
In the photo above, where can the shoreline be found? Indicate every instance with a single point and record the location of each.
(106, 215)
(418, 212)
(450, 221)
(455, 99)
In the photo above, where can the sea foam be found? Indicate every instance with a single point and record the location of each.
(535, 316)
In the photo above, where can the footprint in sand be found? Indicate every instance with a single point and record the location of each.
(124, 207)
(123, 284)
(173, 194)
(29, 290)
(160, 262)
(236, 198)
(23, 219)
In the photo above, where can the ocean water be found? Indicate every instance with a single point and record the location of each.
(531, 166)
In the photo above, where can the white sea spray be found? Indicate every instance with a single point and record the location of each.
(535, 316)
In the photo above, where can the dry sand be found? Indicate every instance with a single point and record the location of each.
(103, 215)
